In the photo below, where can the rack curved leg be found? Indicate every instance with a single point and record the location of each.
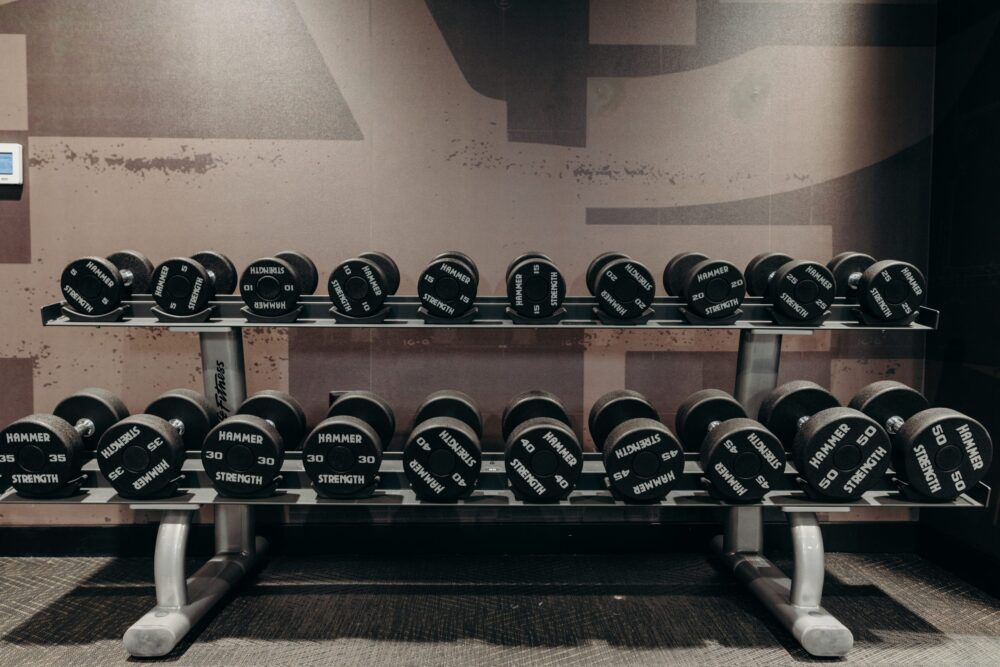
(181, 602)
(796, 601)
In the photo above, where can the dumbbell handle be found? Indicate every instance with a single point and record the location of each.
(177, 424)
(85, 427)
(893, 424)
(854, 280)
(127, 277)
(712, 425)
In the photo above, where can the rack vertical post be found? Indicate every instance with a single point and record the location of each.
(183, 601)
(796, 601)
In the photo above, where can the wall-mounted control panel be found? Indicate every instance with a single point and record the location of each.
(11, 164)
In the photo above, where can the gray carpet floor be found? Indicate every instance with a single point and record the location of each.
(476, 610)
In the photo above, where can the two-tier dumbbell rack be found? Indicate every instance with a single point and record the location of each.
(181, 601)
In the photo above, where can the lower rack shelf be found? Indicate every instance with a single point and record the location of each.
(393, 491)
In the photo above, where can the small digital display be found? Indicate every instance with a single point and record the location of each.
(6, 164)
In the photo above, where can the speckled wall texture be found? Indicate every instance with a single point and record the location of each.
(488, 126)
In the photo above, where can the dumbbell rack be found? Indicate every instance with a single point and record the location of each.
(181, 601)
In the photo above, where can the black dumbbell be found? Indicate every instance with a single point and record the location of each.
(42, 454)
(642, 457)
(185, 286)
(243, 454)
(343, 453)
(535, 287)
(799, 290)
(442, 456)
(712, 288)
(939, 453)
(543, 457)
(96, 286)
(889, 290)
(447, 288)
(739, 457)
(359, 286)
(839, 452)
(273, 286)
(142, 455)
(623, 287)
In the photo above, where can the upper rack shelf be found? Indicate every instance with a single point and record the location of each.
(404, 312)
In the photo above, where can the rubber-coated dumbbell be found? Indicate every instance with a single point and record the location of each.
(939, 453)
(739, 457)
(839, 452)
(535, 287)
(342, 455)
(442, 456)
(96, 286)
(642, 458)
(447, 288)
(799, 290)
(184, 286)
(142, 455)
(623, 287)
(889, 290)
(42, 454)
(712, 288)
(273, 286)
(543, 456)
(243, 454)
(359, 286)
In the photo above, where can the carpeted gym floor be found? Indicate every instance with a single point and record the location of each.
(475, 610)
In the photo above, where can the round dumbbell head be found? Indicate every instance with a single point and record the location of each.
(598, 264)
(802, 290)
(141, 455)
(280, 409)
(448, 286)
(191, 409)
(891, 290)
(461, 257)
(40, 454)
(524, 257)
(222, 268)
(305, 270)
(844, 266)
(450, 403)
(614, 408)
(100, 406)
(785, 406)
(760, 269)
(358, 287)
(342, 455)
(369, 408)
(136, 264)
(535, 287)
(677, 267)
(242, 454)
(886, 399)
(183, 286)
(623, 287)
(442, 459)
(742, 460)
(942, 453)
(388, 266)
(93, 286)
(841, 453)
(270, 286)
(543, 459)
(532, 404)
(700, 410)
(643, 460)
(714, 288)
